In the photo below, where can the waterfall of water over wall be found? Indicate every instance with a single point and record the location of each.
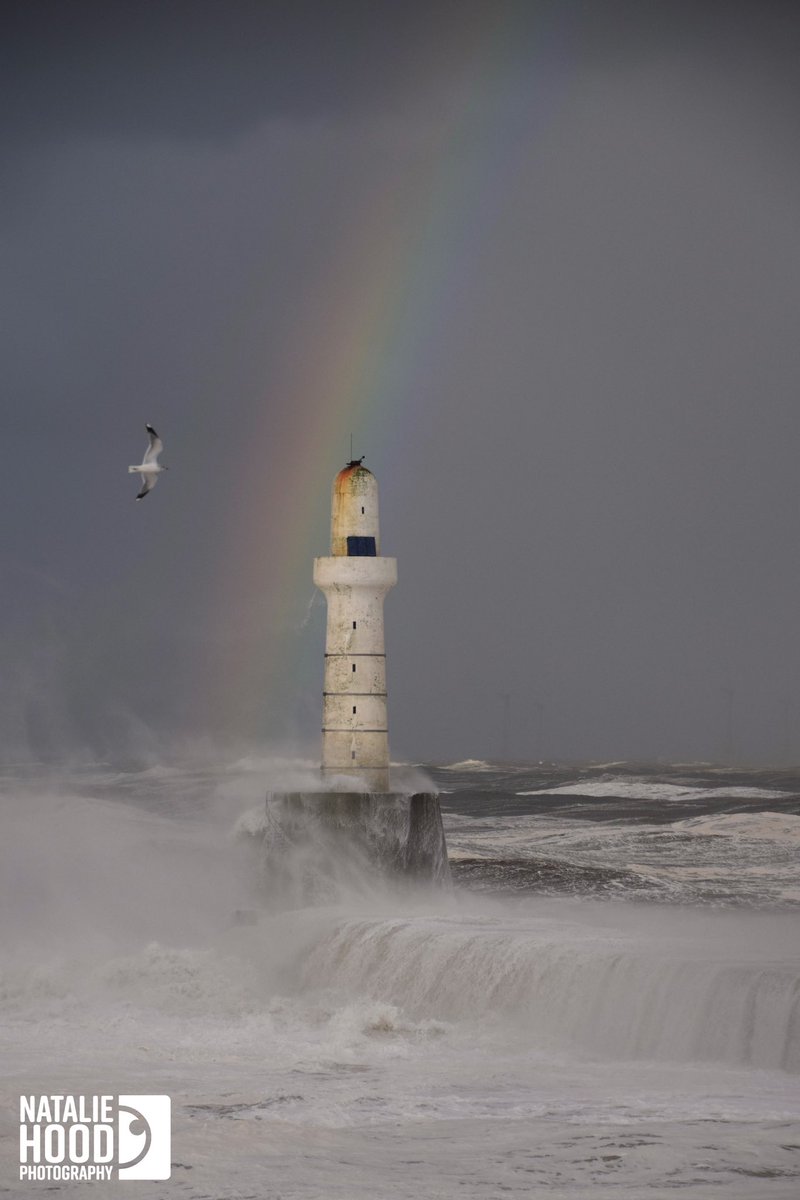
(620, 995)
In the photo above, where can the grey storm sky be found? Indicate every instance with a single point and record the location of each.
(585, 431)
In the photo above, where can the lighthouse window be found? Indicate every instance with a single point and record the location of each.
(362, 510)
(361, 547)
(354, 709)
(352, 753)
(354, 624)
(354, 667)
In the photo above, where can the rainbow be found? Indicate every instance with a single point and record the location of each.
(364, 340)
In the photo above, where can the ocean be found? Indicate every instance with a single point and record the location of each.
(605, 1003)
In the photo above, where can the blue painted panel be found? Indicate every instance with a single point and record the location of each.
(361, 547)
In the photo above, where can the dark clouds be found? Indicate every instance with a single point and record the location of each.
(200, 68)
(588, 460)
(208, 70)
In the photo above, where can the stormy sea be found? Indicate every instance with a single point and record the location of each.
(606, 1001)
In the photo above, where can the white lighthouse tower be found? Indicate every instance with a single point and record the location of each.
(355, 579)
(354, 826)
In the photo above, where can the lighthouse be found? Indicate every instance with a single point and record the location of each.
(353, 828)
(355, 578)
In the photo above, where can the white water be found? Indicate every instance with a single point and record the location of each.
(637, 788)
(728, 857)
(643, 988)
(448, 1046)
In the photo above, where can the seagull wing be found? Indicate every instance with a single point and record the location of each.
(148, 483)
(154, 446)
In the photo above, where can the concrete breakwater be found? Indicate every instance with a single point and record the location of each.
(316, 843)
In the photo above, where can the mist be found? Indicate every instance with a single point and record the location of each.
(607, 993)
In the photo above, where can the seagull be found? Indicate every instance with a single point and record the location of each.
(148, 468)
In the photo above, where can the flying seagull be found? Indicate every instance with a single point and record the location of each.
(148, 468)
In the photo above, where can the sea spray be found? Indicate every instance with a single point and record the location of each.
(401, 1034)
(324, 845)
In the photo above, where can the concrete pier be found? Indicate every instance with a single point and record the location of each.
(319, 843)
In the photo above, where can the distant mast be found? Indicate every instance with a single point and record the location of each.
(355, 580)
